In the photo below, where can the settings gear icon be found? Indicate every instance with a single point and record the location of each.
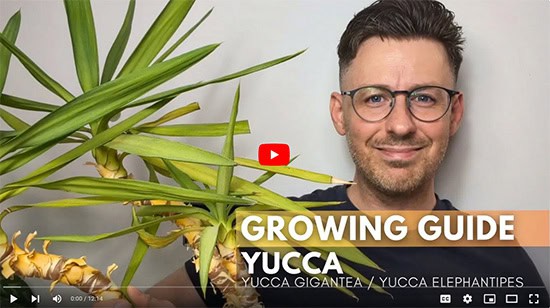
(467, 299)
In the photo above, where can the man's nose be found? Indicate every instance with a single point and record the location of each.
(400, 121)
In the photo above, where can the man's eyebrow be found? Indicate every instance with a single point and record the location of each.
(412, 87)
(434, 83)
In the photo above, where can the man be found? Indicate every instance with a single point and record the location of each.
(398, 108)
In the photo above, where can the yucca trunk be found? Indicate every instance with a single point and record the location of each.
(58, 269)
(227, 268)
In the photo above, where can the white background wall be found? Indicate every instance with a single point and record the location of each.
(498, 160)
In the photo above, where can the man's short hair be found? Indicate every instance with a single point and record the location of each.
(403, 19)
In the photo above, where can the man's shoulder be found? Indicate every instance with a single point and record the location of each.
(339, 193)
(334, 193)
(444, 205)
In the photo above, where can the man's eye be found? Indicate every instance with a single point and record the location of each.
(423, 99)
(375, 99)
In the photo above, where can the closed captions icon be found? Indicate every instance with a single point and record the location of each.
(445, 298)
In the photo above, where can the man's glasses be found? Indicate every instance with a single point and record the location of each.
(427, 103)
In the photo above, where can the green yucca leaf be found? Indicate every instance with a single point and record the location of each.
(175, 92)
(79, 136)
(71, 140)
(158, 34)
(21, 158)
(268, 174)
(256, 68)
(3, 140)
(152, 173)
(183, 38)
(181, 178)
(180, 209)
(185, 181)
(155, 241)
(305, 204)
(174, 114)
(189, 211)
(102, 100)
(263, 207)
(208, 176)
(25, 104)
(103, 236)
(4, 134)
(140, 250)
(98, 140)
(290, 171)
(41, 76)
(19, 125)
(316, 204)
(77, 202)
(162, 148)
(135, 190)
(196, 130)
(10, 31)
(117, 49)
(223, 181)
(236, 194)
(208, 241)
(13, 121)
(83, 38)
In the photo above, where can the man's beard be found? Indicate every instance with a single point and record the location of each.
(373, 170)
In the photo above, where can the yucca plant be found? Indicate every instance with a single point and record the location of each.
(89, 122)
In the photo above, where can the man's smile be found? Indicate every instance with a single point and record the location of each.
(398, 152)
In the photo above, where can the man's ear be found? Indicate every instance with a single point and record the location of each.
(457, 111)
(337, 112)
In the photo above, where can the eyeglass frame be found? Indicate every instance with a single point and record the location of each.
(351, 94)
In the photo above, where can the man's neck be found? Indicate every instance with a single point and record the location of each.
(365, 197)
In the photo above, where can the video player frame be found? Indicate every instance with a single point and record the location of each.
(496, 162)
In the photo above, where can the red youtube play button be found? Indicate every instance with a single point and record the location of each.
(274, 154)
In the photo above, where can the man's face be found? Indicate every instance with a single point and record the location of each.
(398, 154)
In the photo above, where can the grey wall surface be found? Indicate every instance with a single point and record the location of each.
(499, 159)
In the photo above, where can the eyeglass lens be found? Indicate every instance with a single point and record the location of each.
(426, 104)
